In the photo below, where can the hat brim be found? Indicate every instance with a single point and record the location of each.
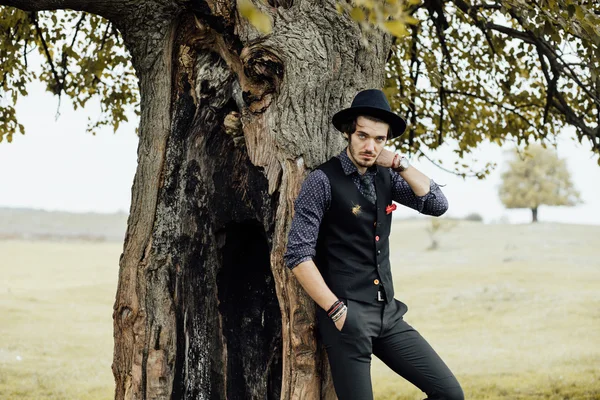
(396, 123)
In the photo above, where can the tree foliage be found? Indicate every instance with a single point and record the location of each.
(83, 58)
(462, 72)
(475, 71)
(537, 177)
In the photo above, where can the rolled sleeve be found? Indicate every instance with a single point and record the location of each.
(432, 203)
(309, 208)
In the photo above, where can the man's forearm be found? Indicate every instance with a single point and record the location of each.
(312, 281)
(418, 181)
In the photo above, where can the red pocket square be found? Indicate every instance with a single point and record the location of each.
(390, 208)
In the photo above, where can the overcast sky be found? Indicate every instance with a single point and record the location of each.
(57, 166)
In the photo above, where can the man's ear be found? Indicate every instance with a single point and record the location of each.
(345, 136)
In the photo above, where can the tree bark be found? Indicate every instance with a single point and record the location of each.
(114, 10)
(231, 122)
(534, 215)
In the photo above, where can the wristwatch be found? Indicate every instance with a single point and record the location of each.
(403, 164)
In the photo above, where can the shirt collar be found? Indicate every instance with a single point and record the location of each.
(349, 167)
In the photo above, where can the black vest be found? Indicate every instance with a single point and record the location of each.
(353, 246)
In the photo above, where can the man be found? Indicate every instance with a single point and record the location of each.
(338, 250)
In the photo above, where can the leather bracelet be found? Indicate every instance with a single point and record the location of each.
(396, 155)
(333, 307)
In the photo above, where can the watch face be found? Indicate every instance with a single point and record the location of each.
(404, 163)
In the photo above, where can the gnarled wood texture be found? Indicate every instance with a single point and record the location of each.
(232, 121)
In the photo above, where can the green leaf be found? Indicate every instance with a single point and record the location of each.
(396, 28)
(257, 18)
(357, 14)
(411, 20)
(579, 13)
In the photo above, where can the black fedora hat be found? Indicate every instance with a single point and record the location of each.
(370, 102)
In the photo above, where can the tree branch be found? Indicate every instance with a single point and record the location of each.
(105, 36)
(571, 74)
(487, 6)
(546, 49)
(110, 9)
(441, 127)
(551, 83)
(495, 103)
(557, 64)
(558, 99)
(436, 14)
(598, 104)
(39, 32)
(514, 33)
(561, 105)
(64, 68)
(25, 53)
(472, 12)
(414, 60)
(461, 174)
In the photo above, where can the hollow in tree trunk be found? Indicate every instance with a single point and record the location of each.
(231, 122)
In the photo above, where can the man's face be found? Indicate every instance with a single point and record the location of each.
(367, 142)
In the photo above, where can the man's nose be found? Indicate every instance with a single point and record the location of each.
(370, 146)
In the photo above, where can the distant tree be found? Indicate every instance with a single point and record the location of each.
(436, 228)
(537, 177)
(474, 217)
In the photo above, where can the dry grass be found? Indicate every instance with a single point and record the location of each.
(56, 319)
(513, 310)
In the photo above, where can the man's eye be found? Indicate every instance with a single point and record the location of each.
(380, 139)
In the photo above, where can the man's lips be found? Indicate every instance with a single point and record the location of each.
(368, 155)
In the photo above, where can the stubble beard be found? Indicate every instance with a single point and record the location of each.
(357, 160)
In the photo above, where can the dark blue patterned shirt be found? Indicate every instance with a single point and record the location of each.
(315, 197)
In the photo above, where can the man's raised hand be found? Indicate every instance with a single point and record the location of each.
(386, 158)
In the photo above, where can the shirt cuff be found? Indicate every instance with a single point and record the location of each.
(294, 263)
(432, 188)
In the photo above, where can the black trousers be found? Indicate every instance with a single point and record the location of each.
(380, 329)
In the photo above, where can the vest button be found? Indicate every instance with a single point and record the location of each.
(378, 251)
(377, 238)
(376, 281)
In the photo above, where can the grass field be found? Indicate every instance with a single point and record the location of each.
(56, 319)
(514, 310)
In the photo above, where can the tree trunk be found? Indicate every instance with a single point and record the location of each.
(231, 123)
(534, 214)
